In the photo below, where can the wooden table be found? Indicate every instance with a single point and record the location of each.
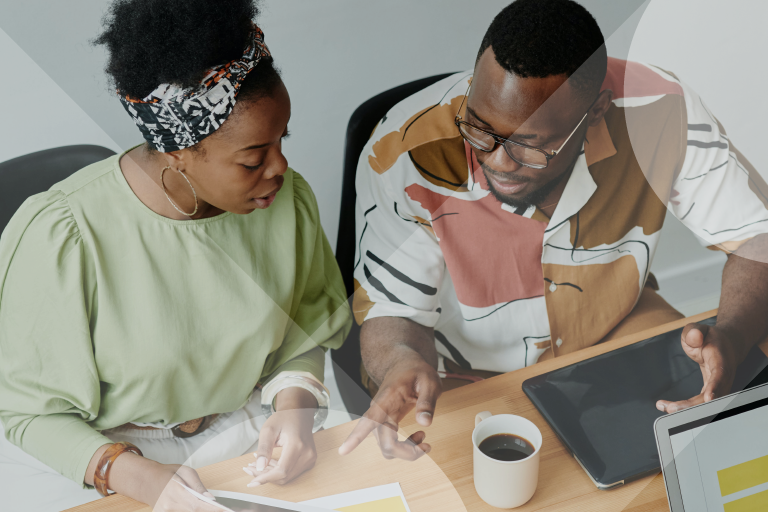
(442, 481)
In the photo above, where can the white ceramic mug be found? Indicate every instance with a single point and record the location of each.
(505, 484)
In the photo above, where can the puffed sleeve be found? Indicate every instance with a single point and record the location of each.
(320, 312)
(49, 385)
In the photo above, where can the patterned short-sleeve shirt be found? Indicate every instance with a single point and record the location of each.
(501, 285)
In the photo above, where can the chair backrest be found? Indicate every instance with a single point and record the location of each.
(33, 173)
(364, 119)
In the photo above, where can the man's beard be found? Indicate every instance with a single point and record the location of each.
(533, 198)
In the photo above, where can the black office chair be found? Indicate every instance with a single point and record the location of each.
(361, 125)
(33, 173)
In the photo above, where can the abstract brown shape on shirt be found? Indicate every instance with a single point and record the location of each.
(361, 303)
(581, 311)
(443, 163)
(430, 124)
(634, 185)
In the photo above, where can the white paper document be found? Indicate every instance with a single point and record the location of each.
(384, 498)
(240, 502)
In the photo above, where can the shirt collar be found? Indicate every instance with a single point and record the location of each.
(578, 190)
(580, 187)
(599, 144)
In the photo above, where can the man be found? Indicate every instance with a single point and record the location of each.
(511, 215)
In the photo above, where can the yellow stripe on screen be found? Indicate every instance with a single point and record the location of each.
(755, 503)
(743, 476)
(393, 504)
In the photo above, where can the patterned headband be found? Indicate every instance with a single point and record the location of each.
(172, 118)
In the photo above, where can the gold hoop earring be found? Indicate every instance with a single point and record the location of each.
(169, 197)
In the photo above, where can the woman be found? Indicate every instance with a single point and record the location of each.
(147, 298)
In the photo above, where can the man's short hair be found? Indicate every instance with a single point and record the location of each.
(540, 38)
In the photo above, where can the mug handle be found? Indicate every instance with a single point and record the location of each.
(482, 416)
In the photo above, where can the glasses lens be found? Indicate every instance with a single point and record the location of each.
(477, 138)
(526, 156)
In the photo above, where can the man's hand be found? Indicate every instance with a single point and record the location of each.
(716, 352)
(409, 382)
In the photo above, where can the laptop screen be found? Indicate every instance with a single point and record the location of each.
(722, 460)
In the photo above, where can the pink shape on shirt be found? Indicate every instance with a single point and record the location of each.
(493, 255)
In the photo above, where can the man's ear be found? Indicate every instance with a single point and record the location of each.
(600, 107)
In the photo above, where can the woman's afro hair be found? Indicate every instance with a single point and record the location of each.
(152, 42)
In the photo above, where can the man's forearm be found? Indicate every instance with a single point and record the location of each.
(386, 340)
(744, 297)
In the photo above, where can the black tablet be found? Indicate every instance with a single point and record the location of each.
(603, 409)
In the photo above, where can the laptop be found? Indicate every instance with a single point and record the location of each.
(603, 409)
(715, 455)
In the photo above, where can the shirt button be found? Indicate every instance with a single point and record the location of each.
(552, 287)
(558, 342)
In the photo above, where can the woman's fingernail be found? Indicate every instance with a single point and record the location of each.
(254, 484)
(209, 495)
(249, 471)
(261, 463)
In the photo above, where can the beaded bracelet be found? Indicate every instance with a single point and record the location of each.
(101, 477)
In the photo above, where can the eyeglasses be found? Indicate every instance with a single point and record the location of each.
(523, 154)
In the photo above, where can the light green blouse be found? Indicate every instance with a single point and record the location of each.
(111, 313)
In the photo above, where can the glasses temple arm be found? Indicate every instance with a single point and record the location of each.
(557, 151)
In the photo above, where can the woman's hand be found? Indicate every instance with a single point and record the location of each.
(174, 497)
(157, 485)
(290, 427)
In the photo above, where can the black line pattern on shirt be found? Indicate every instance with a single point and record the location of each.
(423, 288)
(360, 240)
(455, 354)
(433, 106)
(444, 214)
(563, 284)
(422, 169)
(689, 211)
(557, 226)
(607, 250)
(500, 307)
(735, 229)
(705, 145)
(700, 127)
(380, 287)
(712, 169)
(410, 220)
(525, 338)
(576, 238)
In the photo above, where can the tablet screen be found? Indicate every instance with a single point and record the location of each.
(722, 460)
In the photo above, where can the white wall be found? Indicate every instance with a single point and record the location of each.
(335, 54)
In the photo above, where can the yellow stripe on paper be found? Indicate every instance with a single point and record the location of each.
(743, 476)
(393, 504)
(755, 503)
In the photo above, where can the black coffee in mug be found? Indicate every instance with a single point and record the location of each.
(506, 447)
